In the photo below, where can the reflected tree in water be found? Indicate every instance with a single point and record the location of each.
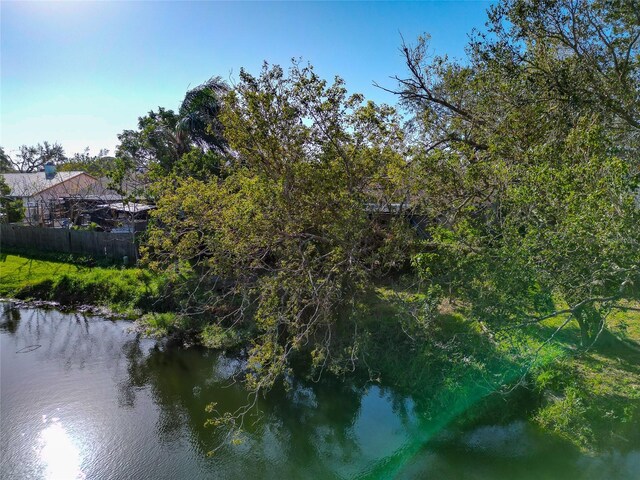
(10, 319)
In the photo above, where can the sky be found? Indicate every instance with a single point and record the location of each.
(79, 73)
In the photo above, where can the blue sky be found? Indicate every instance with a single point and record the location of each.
(79, 73)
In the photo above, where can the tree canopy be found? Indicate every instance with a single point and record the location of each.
(289, 197)
(164, 136)
(33, 158)
(282, 242)
(534, 143)
(11, 210)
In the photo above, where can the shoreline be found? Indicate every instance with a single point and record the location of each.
(87, 309)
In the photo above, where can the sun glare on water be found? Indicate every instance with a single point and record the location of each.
(58, 453)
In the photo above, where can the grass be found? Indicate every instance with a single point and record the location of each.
(121, 289)
(592, 398)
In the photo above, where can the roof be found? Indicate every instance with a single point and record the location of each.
(30, 184)
(108, 196)
(128, 208)
(97, 191)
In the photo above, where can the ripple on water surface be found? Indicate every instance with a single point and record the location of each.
(83, 397)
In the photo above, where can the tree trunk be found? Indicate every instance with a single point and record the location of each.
(584, 332)
(591, 324)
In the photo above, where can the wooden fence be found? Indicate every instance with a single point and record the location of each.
(114, 246)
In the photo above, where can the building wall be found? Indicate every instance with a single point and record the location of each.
(38, 207)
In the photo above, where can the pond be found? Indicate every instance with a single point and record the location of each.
(84, 397)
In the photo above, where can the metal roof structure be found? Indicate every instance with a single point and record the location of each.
(30, 184)
(130, 207)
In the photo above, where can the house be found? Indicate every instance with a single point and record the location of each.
(42, 193)
(65, 199)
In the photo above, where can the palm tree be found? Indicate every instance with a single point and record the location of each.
(198, 115)
(164, 136)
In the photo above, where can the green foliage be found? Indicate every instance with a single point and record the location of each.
(565, 416)
(530, 163)
(11, 210)
(215, 336)
(91, 227)
(187, 143)
(160, 325)
(592, 401)
(283, 239)
(99, 165)
(199, 115)
(6, 164)
(199, 164)
(156, 142)
(587, 51)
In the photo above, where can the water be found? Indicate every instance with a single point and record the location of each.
(82, 397)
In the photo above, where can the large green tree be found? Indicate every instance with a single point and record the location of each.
(528, 160)
(99, 165)
(285, 239)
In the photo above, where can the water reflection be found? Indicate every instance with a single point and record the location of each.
(10, 318)
(333, 429)
(128, 407)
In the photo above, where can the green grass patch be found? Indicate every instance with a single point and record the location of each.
(122, 289)
(160, 324)
(75, 259)
(592, 398)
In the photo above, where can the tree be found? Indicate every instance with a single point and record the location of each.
(528, 159)
(99, 165)
(32, 158)
(11, 210)
(199, 164)
(595, 45)
(199, 115)
(6, 164)
(163, 137)
(155, 143)
(282, 243)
